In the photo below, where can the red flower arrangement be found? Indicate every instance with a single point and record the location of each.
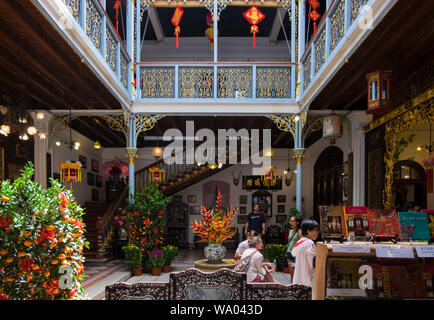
(216, 224)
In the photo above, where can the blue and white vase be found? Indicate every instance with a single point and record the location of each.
(215, 253)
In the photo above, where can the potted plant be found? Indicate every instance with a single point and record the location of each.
(120, 221)
(169, 253)
(157, 262)
(133, 256)
(271, 252)
(281, 257)
(215, 228)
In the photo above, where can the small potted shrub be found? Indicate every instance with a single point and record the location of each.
(133, 256)
(156, 260)
(271, 252)
(169, 253)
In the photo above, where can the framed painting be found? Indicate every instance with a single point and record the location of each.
(90, 179)
(280, 218)
(281, 208)
(95, 165)
(191, 198)
(243, 210)
(243, 199)
(83, 161)
(98, 181)
(195, 210)
(281, 198)
(241, 219)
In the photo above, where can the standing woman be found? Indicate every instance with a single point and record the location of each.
(293, 237)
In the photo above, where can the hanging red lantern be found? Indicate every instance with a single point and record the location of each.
(116, 7)
(314, 15)
(209, 32)
(254, 16)
(176, 19)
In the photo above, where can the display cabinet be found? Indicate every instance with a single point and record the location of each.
(363, 270)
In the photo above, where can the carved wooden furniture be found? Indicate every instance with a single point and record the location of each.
(192, 284)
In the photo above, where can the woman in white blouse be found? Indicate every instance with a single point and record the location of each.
(244, 245)
(258, 270)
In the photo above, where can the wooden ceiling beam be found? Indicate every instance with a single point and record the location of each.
(56, 52)
(35, 64)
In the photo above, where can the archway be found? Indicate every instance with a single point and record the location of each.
(328, 179)
(409, 184)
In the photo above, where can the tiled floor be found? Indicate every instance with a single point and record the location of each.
(94, 271)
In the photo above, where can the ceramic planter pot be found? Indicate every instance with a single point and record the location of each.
(215, 253)
(156, 271)
(137, 271)
(166, 268)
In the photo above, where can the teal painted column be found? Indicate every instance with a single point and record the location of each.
(131, 154)
(299, 152)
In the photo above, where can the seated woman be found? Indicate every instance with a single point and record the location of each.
(244, 245)
(258, 270)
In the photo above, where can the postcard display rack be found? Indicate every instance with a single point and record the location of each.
(385, 256)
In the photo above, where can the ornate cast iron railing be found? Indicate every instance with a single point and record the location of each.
(95, 23)
(238, 82)
(339, 18)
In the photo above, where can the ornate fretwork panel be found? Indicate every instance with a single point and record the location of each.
(124, 71)
(273, 82)
(93, 24)
(196, 82)
(157, 82)
(74, 6)
(111, 50)
(307, 67)
(337, 22)
(375, 167)
(234, 82)
(356, 7)
(320, 53)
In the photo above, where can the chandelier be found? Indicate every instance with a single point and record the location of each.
(15, 118)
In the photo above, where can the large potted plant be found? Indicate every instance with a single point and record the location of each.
(41, 241)
(169, 253)
(215, 228)
(145, 220)
(134, 258)
(157, 262)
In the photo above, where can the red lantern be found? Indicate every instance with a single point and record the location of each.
(379, 92)
(116, 7)
(176, 19)
(314, 15)
(209, 32)
(254, 16)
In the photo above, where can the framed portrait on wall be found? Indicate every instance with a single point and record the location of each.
(281, 208)
(98, 181)
(241, 219)
(191, 198)
(195, 210)
(90, 179)
(243, 199)
(83, 161)
(95, 165)
(280, 218)
(243, 210)
(281, 198)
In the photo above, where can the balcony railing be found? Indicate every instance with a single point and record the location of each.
(337, 21)
(95, 23)
(234, 82)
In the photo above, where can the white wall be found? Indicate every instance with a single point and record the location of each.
(82, 191)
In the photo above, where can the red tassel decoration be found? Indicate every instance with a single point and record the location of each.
(116, 7)
(176, 19)
(254, 16)
(314, 15)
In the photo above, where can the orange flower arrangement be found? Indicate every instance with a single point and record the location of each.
(216, 225)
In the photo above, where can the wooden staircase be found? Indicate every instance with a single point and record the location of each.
(98, 217)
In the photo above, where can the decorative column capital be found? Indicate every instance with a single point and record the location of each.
(131, 155)
(299, 155)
